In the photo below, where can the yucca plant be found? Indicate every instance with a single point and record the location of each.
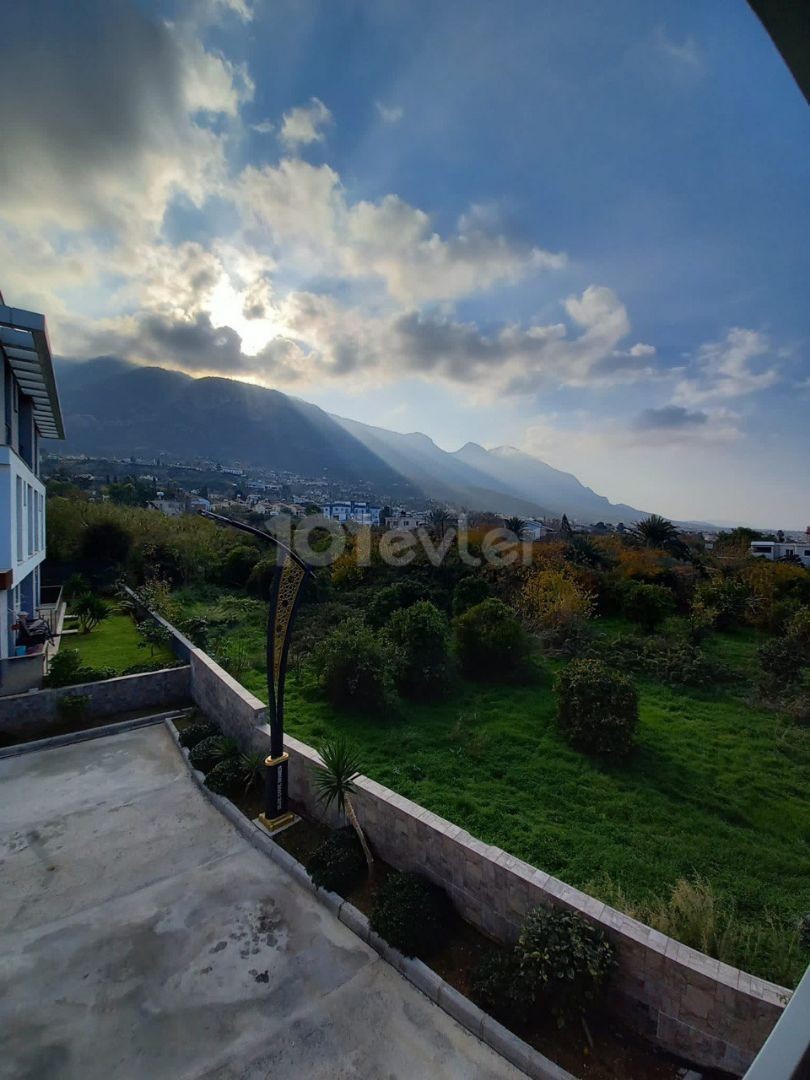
(254, 769)
(335, 783)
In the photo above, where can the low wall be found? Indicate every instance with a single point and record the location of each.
(680, 999)
(34, 715)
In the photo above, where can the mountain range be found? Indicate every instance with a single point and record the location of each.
(113, 408)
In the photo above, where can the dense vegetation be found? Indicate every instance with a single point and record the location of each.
(444, 675)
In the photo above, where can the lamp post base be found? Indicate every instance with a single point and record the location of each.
(275, 791)
(274, 825)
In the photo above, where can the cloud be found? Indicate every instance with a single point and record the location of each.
(389, 114)
(724, 369)
(106, 132)
(302, 125)
(685, 54)
(305, 210)
(670, 417)
(263, 127)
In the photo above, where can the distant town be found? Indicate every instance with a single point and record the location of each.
(175, 487)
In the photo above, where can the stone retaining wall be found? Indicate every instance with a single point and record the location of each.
(681, 1000)
(34, 715)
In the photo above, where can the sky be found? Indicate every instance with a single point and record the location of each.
(580, 229)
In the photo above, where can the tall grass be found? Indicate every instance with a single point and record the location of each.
(695, 915)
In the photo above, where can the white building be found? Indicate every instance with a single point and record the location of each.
(29, 404)
(345, 510)
(774, 550)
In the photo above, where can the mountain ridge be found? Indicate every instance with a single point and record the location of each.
(116, 408)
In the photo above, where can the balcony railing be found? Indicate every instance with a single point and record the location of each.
(50, 605)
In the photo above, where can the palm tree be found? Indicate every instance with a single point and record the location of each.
(438, 519)
(516, 525)
(658, 532)
(335, 783)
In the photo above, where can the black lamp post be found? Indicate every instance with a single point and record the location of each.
(289, 575)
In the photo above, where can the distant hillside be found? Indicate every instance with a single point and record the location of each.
(119, 409)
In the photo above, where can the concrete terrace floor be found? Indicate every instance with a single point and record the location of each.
(142, 936)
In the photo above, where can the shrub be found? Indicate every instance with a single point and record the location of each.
(498, 988)
(261, 578)
(90, 610)
(338, 864)
(491, 643)
(411, 914)
(730, 600)
(676, 663)
(354, 668)
(237, 565)
(564, 962)
(392, 598)
(66, 669)
(421, 662)
(210, 751)
(559, 607)
(227, 777)
(797, 631)
(647, 605)
(804, 931)
(73, 707)
(597, 709)
(781, 661)
(195, 733)
(471, 590)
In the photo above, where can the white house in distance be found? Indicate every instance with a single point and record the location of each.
(29, 404)
(345, 510)
(775, 550)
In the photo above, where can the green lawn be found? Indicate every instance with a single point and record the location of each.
(113, 644)
(715, 788)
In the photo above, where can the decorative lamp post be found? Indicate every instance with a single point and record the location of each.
(289, 575)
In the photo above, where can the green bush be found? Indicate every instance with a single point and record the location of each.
(411, 914)
(195, 733)
(597, 709)
(421, 651)
(781, 661)
(227, 777)
(564, 961)
(674, 662)
(338, 864)
(647, 605)
(392, 598)
(237, 565)
(354, 669)
(804, 931)
(728, 599)
(491, 643)
(210, 751)
(471, 590)
(498, 988)
(66, 669)
(73, 707)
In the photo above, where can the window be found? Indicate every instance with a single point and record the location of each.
(29, 492)
(19, 519)
(763, 548)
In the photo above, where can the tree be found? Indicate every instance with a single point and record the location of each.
(515, 525)
(647, 605)
(422, 664)
(334, 781)
(90, 610)
(658, 532)
(565, 531)
(354, 668)
(439, 519)
(582, 551)
(555, 601)
(105, 542)
(469, 591)
(490, 642)
(597, 708)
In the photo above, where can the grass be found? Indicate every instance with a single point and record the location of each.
(113, 644)
(717, 790)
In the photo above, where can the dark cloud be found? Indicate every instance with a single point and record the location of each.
(193, 345)
(670, 417)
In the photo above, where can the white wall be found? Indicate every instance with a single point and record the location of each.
(12, 467)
